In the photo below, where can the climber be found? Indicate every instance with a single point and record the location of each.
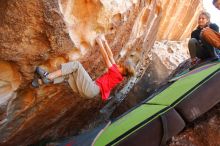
(80, 81)
(199, 49)
(210, 36)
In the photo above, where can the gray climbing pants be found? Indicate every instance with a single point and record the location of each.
(78, 79)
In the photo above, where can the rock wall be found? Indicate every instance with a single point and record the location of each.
(169, 54)
(51, 32)
(179, 19)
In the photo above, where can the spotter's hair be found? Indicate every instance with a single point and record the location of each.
(208, 16)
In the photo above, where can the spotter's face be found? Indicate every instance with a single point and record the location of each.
(202, 21)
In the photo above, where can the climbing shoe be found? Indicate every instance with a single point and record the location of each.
(43, 74)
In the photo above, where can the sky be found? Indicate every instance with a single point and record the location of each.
(215, 13)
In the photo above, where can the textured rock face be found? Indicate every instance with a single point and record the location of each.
(179, 19)
(168, 54)
(51, 32)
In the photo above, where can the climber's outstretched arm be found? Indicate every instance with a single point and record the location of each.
(109, 51)
(104, 53)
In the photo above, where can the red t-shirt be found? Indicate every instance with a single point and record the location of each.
(108, 81)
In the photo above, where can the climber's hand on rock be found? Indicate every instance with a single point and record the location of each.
(102, 37)
(99, 41)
